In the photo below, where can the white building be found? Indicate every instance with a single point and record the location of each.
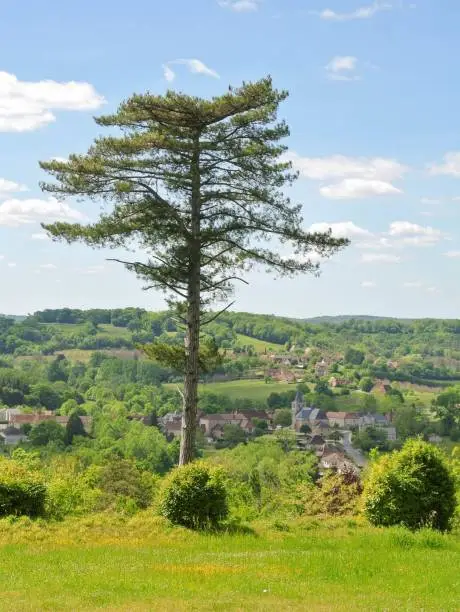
(12, 436)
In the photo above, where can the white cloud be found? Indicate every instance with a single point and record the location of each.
(194, 65)
(379, 258)
(168, 73)
(375, 244)
(12, 264)
(48, 266)
(450, 167)
(413, 285)
(368, 284)
(414, 234)
(9, 187)
(356, 177)
(364, 12)
(343, 229)
(355, 189)
(16, 212)
(452, 254)
(29, 105)
(432, 290)
(241, 6)
(341, 167)
(342, 68)
(40, 236)
(2, 257)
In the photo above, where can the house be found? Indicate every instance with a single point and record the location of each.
(317, 440)
(338, 462)
(381, 386)
(374, 420)
(321, 368)
(171, 424)
(173, 428)
(7, 413)
(313, 417)
(335, 382)
(344, 420)
(380, 420)
(281, 375)
(17, 420)
(390, 432)
(213, 424)
(11, 436)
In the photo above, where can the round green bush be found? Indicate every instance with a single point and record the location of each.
(22, 493)
(413, 487)
(194, 496)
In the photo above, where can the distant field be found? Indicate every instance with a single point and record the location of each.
(250, 389)
(65, 328)
(77, 354)
(260, 346)
(140, 564)
(111, 330)
(103, 329)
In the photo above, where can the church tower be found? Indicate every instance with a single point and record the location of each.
(296, 407)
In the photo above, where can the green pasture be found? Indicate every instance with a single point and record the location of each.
(260, 346)
(254, 389)
(115, 564)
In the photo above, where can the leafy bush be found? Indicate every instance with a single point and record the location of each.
(122, 480)
(22, 492)
(194, 496)
(413, 487)
(334, 495)
(264, 477)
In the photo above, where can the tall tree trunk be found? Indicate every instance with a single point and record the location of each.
(192, 345)
(192, 337)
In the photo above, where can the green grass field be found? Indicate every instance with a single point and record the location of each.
(103, 329)
(260, 346)
(141, 564)
(250, 389)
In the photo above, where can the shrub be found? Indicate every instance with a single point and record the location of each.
(334, 495)
(413, 487)
(121, 480)
(194, 496)
(22, 492)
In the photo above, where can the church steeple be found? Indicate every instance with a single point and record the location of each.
(296, 407)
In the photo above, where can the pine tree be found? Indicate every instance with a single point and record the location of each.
(197, 185)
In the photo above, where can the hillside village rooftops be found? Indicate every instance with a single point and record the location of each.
(311, 414)
(343, 415)
(12, 431)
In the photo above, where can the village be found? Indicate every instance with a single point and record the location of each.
(327, 434)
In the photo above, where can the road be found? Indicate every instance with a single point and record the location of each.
(354, 453)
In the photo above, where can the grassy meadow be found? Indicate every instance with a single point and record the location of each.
(254, 389)
(259, 346)
(114, 563)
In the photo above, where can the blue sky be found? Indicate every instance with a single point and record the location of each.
(373, 111)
